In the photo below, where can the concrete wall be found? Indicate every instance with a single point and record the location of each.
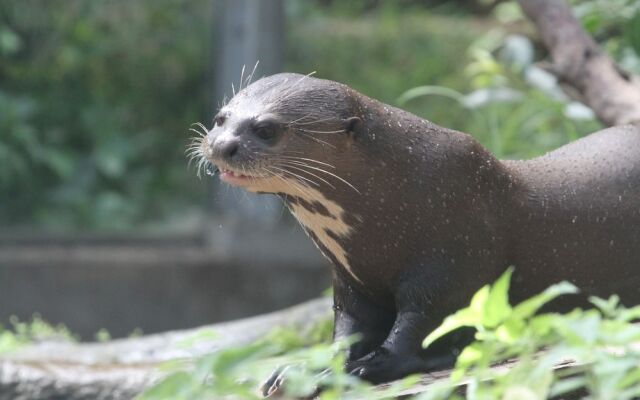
(157, 284)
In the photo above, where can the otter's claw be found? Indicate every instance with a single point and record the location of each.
(382, 366)
(272, 387)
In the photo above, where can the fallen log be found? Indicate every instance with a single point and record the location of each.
(121, 369)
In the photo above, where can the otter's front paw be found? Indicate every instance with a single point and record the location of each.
(272, 387)
(382, 366)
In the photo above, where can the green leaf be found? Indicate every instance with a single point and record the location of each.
(9, 41)
(229, 359)
(422, 91)
(520, 392)
(61, 162)
(511, 330)
(9, 342)
(632, 32)
(529, 307)
(585, 329)
(470, 355)
(488, 308)
(607, 307)
(470, 316)
(478, 302)
(567, 386)
(542, 325)
(171, 387)
(629, 314)
(497, 307)
(592, 22)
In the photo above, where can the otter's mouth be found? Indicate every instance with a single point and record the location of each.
(236, 178)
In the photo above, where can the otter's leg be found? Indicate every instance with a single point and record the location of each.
(354, 314)
(399, 355)
(423, 301)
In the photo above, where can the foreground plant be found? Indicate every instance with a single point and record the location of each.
(22, 333)
(588, 352)
(518, 354)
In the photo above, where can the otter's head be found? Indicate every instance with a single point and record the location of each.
(283, 134)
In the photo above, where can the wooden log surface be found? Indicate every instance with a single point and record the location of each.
(120, 369)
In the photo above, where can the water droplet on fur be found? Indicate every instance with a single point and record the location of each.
(210, 171)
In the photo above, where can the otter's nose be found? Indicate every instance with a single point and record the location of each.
(227, 149)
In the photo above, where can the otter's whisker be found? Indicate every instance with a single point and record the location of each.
(298, 119)
(332, 174)
(204, 128)
(284, 155)
(244, 171)
(203, 167)
(199, 167)
(225, 100)
(293, 185)
(306, 159)
(302, 188)
(293, 152)
(242, 76)
(253, 71)
(197, 132)
(307, 135)
(287, 93)
(193, 153)
(202, 131)
(299, 168)
(192, 149)
(295, 175)
(191, 158)
(310, 122)
(310, 131)
(195, 143)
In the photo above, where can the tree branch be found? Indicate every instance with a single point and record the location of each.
(613, 94)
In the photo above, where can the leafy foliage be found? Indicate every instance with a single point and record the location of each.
(238, 372)
(599, 342)
(514, 108)
(96, 97)
(95, 102)
(617, 24)
(37, 330)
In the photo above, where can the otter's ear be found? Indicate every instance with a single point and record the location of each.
(352, 125)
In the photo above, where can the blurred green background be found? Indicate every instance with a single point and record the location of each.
(96, 97)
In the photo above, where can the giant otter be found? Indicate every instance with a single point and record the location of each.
(415, 217)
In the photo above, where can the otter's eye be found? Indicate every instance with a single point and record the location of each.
(219, 120)
(265, 132)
